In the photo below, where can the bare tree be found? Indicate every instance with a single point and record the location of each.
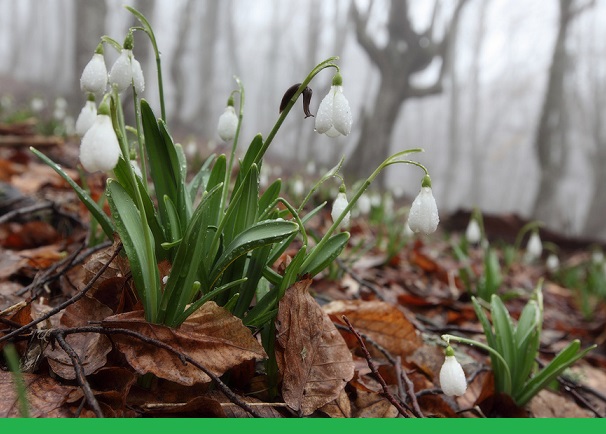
(550, 142)
(406, 53)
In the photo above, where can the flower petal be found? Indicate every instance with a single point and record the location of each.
(99, 149)
(341, 116)
(324, 115)
(228, 124)
(86, 118)
(423, 215)
(138, 79)
(94, 75)
(121, 74)
(452, 377)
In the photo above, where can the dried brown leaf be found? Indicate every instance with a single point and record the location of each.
(384, 323)
(45, 396)
(92, 348)
(339, 408)
(550, 404)
(211, 336)
(312, 356)
(373, 405)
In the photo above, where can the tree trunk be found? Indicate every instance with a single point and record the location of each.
(550, 142)
(375, 138)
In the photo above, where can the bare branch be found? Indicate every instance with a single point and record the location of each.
(361, 22)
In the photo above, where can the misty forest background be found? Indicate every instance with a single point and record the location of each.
(507, 97)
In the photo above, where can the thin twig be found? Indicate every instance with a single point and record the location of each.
(410, 393)
(80, 375)
(70, 261)
(66, 303)
(386, 393)
(183, 357)
(25, 210)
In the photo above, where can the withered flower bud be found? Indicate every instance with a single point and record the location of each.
(307, 93)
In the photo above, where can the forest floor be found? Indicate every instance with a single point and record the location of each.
(57, 295)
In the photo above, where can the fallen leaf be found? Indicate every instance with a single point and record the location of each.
(373, 405)
(312, 356)
(91, 348)
(212, 336)
(30, 234)
(549, 404)
(45, 396)
(339, 408)
(384, 323)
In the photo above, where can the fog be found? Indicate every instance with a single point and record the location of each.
(479, 130)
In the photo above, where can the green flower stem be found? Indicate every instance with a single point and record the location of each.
(493, 352)
(147, 28)
(292, 211)
(234, 146)
(151, 294)
(328, 63)
(140, 140)
(394, 159)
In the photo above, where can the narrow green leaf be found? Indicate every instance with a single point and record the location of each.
(563, 360)
(270, 195)
(200, 180)
(174, 225)
(243, 210)
(332, 249)
(249, 158)
(261, 234)
(143, 267)
(99, 215)
(503, 330)
(254, 272)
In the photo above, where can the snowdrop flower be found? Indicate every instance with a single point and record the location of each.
(228, 122)
(534, 247)
(94, 75)
(452, 377)
(126, 70)
(552, 263)
(37, 104)
(99, 149)
(334, 115)
(597, 256)
(473, 234)
(87, 116)
(364, 204)
(298, 188)
(423, 215)
(339, 206)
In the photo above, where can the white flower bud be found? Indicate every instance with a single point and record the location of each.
(452, 377)
(423, 216)
(473, 234)
(127, 71)
(298, 188)
(364, 204)
(86, 118)
(228, 124)
(334, 115)
(338, 207)
(552, 263)
(94, 75)
(99, 149)
(534, 248)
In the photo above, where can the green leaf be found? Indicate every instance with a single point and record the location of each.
(163, 160)
(332, 249)
(259, 235)
(200, 180)
(143, 266)
(242, 212)
(188, 267)
(503, 330)
(249, 158)
(254, 272)
(91, 205)
(174, 225)
(527, 339)
(563, 360)
(217, 177)
(269, 196)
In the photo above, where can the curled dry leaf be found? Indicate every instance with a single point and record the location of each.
(92, 348)
(212, 336)
(312, 356)
(45, 396)
(384, 323)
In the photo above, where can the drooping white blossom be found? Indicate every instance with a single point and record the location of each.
(228, 124)
(94, 75)
(423, 215)
(86, 118)
(452, 376)
(99, 149)
(126, 71)
(534, 247)
(552, 262)
(338, 207)
(473, 234)
(334, 114)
